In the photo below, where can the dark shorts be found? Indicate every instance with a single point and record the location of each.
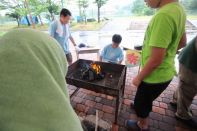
(146, 94)
(69, 58)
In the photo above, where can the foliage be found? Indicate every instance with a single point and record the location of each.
(52, 8)
(16, 9)
(83, 4)
(190, 6)
(38, 6)
(99, 4)
(139, 8)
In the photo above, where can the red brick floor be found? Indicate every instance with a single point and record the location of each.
(86, 102)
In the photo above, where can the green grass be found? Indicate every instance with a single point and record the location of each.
(192, 17)
(88, 26)
(7, 27)
(140, 17)
(38, 27)
(2, 33)
(74, 26)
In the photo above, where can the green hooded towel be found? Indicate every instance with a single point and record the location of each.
(33, 92)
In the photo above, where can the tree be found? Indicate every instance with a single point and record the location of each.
(17, 8)
(190, 5)
(83, 4)
(26, 4)
(100, 3)
(139, 8)
(38, 6)
(16, 16)
(52, 8)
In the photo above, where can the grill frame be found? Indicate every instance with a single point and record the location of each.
(116, 90)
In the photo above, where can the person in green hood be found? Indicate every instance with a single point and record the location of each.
(33, 92)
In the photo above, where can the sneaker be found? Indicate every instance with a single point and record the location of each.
(191, 122)
(132, 125)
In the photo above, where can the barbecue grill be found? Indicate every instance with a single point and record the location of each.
(113, 82)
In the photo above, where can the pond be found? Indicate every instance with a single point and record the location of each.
(130, 38)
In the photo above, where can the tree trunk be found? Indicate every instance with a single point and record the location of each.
(85, 18)
(27, 20)
(30, 16)
(40, 20)
(17, 19)
(32, 22)
(52, 17)
(98, 14)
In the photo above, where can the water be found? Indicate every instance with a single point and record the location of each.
(130, 38)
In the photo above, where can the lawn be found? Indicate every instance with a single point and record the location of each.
(192, 17)
(90, 26)
(2, 33)
(74, 26)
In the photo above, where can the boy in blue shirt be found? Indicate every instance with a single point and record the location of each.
(112, 52)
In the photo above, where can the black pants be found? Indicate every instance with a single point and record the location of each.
(146, 94)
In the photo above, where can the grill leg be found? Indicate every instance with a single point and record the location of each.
(124, 80)
(120, 97)
(74, 92)
(117, 109)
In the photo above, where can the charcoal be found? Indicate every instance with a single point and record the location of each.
(89, 74)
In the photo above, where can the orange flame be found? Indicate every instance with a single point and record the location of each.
(96, 67)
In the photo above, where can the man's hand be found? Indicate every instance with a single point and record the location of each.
(77, 48)
(155, 59)
(73, 41)
(120, 62)
(136, 81)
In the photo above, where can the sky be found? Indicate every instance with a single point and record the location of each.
(111, 8)
(111, 5)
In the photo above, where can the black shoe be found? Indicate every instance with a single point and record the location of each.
(191, 122)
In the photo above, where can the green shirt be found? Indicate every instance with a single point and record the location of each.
(188, 56)
(164, 31)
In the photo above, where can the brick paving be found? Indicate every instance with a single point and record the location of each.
(86, 102)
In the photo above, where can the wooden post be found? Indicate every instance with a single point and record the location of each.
(96, 125)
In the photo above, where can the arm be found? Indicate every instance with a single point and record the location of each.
(155, 59)
(121, 57)
(52, 29)
(102, 53)
(182, 42)
(72, 40)
(120, 62)
(70, 36)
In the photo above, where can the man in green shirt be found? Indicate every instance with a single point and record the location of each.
(187, 88)
(164, 35)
